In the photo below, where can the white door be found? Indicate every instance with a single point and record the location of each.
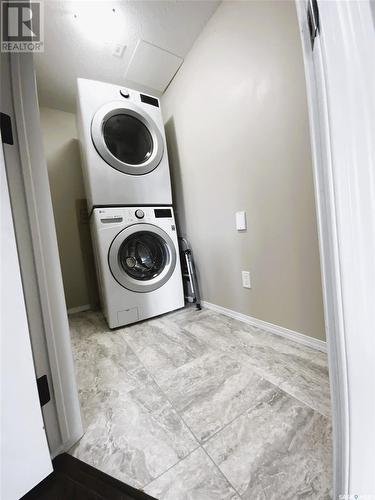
(25, 458)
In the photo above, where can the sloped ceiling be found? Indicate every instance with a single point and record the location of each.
(87, 38)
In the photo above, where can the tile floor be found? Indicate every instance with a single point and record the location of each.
(196, 405)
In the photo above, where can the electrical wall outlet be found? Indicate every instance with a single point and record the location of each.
(246, 283)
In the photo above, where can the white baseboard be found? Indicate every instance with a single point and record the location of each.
(74, 310)
(301, 338)
(65, 447)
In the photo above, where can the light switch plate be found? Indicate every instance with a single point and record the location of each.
(246, 283)
(241, 221)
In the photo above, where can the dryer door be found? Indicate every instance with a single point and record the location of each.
(142, 258)
(127, 138)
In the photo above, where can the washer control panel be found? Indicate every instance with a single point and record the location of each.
(111, 220)
(132, 215)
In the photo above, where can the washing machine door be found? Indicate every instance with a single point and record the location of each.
(127, 138)
(142, 257)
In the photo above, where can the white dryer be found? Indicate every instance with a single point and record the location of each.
(122, 139)
(138, 264)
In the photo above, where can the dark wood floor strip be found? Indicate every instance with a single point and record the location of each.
(73, 479)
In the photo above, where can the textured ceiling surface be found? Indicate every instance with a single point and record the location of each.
(81, 38)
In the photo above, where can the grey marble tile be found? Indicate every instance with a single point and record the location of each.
(298, 370)
(301, 371)
(181, 337)
(211, 391)
(281, 445)
(83, 325)
(105, 366)
(131, 430)
(194, 478)
(216, 372)
(234, 334)
(134, 436)
(189, 314)
(162, 345)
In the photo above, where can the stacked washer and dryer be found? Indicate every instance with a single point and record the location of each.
(128, 189)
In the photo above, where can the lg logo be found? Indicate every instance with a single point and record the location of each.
(22, 26)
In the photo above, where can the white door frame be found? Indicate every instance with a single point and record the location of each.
(46, 255)
(340, 78)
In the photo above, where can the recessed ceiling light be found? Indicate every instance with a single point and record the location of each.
(96, 22)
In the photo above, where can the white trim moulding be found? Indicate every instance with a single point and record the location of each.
(78, 309)
(300, 338)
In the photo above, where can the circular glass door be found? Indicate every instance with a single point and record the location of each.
(142, 257)
(127, 138)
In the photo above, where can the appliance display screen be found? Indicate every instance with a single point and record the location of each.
(162, 212)
(149, 100)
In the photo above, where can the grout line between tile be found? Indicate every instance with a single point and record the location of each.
(171, 467)
(328, 417)
(269, 380)
(220, 471)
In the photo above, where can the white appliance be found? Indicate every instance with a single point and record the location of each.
(123, 148)
(138, 263)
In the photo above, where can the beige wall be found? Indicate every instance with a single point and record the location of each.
(65, 176)
(237, 132)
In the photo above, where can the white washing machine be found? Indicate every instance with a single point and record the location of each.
(137, 260)
(123, 148)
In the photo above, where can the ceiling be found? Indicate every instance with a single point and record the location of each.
(87, 38)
